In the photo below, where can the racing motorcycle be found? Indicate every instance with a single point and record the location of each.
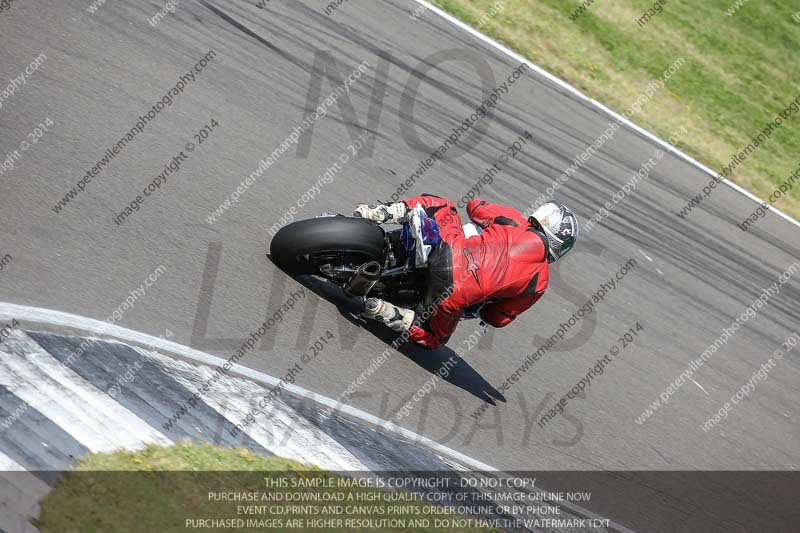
(363, 258)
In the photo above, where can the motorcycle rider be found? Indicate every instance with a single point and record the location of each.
(506, 265)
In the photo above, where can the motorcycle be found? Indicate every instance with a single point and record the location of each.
(363, 258)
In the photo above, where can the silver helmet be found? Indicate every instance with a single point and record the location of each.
(559, 225)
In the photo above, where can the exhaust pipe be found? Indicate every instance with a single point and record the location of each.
(364, 279)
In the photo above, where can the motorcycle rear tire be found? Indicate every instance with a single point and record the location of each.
(295, 247)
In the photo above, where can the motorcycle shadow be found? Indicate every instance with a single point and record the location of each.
(460, 373)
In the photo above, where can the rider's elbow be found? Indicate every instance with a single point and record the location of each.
(495, 317)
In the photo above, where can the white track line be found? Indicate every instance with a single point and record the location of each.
(488, 40)
(281, 431)
(91, 416)
(45, 317)
(7, 464)
(36, 315)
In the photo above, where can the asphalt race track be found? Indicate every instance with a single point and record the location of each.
(271, 68)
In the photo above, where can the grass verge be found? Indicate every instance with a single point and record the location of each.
(739, 73)
(160, 488)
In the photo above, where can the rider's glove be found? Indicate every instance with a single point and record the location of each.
(380, 213)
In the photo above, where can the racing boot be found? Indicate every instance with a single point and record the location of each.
(397, 318)
(380, 213)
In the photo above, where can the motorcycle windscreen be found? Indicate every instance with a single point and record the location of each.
(420, 235)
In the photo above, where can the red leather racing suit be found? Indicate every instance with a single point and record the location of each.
(506, 263)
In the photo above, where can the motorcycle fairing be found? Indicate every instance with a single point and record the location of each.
(420, 235)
